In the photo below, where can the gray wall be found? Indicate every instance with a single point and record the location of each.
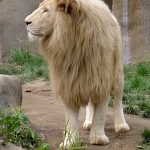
(133, 16)
(12, 27)
(139, 30)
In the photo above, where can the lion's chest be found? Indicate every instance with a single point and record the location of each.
(77, 79)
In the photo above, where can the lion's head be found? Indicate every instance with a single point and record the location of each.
(42, 21)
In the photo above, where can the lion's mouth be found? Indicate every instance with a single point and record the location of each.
(35, 34)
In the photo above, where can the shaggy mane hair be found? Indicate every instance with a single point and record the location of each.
(84, 52)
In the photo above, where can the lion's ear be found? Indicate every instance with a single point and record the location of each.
(66, 5)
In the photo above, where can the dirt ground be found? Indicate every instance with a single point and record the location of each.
(47, 116)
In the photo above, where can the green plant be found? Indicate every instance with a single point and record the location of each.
(134, 110)
(27, 65)
(144, 105)
(143, 69)
(76, 145)
(137, 82)
(9, 69)
(145, 143)
(146, 136)
(146, 113)
(20, 56)
(15, 128)
(137, 89)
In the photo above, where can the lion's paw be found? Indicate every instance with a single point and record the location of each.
(87, 125)
(122, 128)
(99, 140)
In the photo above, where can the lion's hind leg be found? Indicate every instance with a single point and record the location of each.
(119, 119)
(89, 116)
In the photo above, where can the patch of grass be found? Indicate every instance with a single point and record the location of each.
(134, 110)
(27, 65)
(145, 143)
(9, 69)
(143, 105)
(146, 136)
(143, 69)
(20, 57)
(137, 82)
(146, 113)
(137, 89)
(76, 145)
(15, 128)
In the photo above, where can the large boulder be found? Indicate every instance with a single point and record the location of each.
(10, 91)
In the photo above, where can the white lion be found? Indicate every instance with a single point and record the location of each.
(81, 42)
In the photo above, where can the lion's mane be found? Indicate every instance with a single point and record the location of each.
(84, 52)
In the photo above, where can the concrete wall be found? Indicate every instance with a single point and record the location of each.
(133, 16)
(12, 27)
(139, 30)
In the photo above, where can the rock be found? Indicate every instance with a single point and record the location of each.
(10, 91)
(9, 146)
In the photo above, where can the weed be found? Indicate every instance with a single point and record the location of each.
(15, 128)
(143, 69)
(146, 113)
(9, 69)
(144, 105)
(27, 65)
(146, 136)
(145, 143)
(75, 145)
(137, 82)
(137, 89)
(20, 57)
(131, 110)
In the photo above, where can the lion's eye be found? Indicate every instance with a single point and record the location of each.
(45, 10)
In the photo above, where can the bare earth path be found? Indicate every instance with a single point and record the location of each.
(47, 116)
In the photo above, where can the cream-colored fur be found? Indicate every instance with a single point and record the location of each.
(81, 42)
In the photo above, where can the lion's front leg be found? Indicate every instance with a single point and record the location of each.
(71, 131)
(97, 133)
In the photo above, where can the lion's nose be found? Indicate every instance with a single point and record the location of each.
(28, 22)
